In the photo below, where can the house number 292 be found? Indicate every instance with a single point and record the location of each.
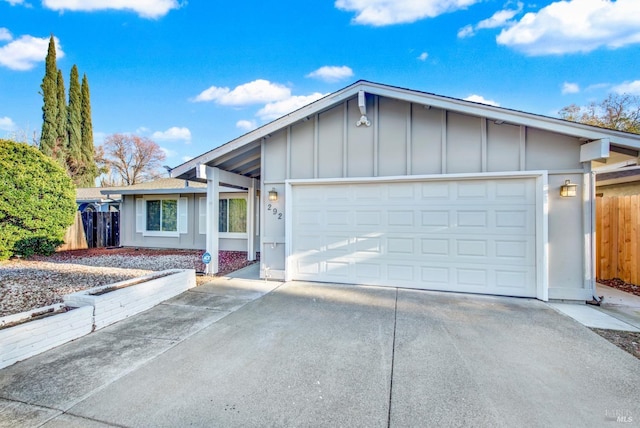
(274, 211)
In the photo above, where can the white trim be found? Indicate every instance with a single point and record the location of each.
(542, 236)
(161, 234)
(595, 150)
(183, 215)
(426, 177)
(542, 210)
(574, 129)
(182, 211)
(234, 235)
(202, 215)
(140, 215)
(589, 225)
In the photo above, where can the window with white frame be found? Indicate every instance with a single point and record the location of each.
(232, 217)
(161, 216)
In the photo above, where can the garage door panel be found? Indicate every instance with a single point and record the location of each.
(400, 272)
(466, 235)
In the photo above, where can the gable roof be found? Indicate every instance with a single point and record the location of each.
(242, 155)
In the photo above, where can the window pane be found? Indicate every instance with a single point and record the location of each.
(222, 216)
(153, 215)
(170, 216)
(238, 215)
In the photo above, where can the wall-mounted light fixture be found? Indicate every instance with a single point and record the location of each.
(273, 195)
(568, 189)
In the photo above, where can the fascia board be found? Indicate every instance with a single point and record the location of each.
(452, 104)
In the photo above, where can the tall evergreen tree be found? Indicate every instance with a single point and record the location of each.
(62, 138)
(49, 84)
(74, 126)
(88, 150)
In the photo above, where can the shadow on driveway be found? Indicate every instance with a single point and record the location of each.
(249, 353)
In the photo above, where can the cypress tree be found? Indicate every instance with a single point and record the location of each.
(50, 104)
(88, 150)
(62, 139)
(74, 126)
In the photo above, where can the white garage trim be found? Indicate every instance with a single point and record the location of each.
(540, 212)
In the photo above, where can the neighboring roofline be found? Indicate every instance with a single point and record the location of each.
(97, 201)
(184, 190)
(619, 176)
(501, 114)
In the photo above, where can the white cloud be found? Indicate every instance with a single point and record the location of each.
(7, 124)
(570, 88)
(498, 19)
(466, 31)
(280, 108)
(575, 26)
(597, 87)
(173, 133)
(168, 152)
(5, 34)
(25, 52)
(423, 56)
(480, 99)
(246, 125)
(631, 88)
(388, 12)
(186, 158)
(152, 9)
(256, 92)
(332, 73)
(14, 2)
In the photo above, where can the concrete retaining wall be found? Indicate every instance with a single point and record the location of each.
(130, 300)
(33, 337)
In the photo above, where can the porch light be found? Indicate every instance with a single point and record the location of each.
(568, 189)
(273, 195)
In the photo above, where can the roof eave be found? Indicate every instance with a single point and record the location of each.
(500, 114)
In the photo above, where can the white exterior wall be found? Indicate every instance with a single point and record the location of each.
(410, 139)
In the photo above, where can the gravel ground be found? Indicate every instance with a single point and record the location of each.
(42, 281)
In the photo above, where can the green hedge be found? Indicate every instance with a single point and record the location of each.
(37, 201)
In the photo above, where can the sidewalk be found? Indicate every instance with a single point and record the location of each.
(620, 305)
(617, 311)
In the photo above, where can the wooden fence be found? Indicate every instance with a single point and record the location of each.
(74, 238)
(618, 238)
(101, 229)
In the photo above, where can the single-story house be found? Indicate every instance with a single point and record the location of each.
(618, 182)
(381, 185)
(92, 199)
(170, 213)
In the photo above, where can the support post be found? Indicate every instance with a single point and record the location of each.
(213, 213)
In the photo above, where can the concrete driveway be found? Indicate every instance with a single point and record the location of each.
(239, 353)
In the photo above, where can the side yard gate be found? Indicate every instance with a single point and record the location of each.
(102, 229)
(618, 238)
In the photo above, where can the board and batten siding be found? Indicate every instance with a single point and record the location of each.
(407, 139)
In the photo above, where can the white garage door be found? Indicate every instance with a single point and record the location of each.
(463, 235)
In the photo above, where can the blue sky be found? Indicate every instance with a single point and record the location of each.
(194, 75)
